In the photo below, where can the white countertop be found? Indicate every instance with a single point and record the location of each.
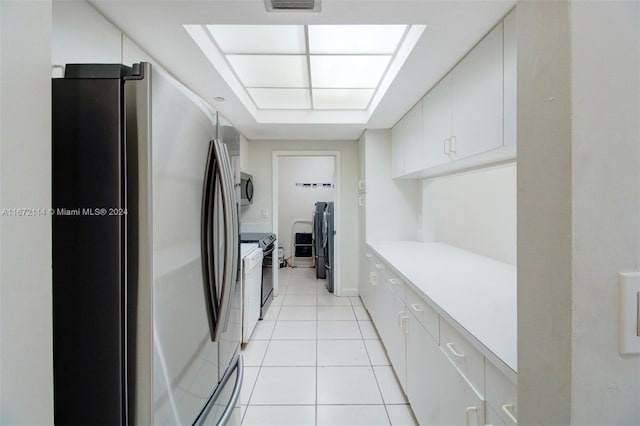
(477, 292)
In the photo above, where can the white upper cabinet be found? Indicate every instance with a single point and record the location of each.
(468, 117)
(476, 115)
(436, 122)
(406, 143)
(510, 83)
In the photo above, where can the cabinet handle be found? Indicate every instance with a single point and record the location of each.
(453, 350)
(402, 322)
(369, 255)
(373, 278)
(394, 281)
(452, 144)
(468, 411)
(361, 201)
(508, 408)
(379, 266)
(416, 307)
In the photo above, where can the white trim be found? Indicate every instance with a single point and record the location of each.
(337, 200)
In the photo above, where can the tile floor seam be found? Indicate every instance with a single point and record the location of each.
(289, 283)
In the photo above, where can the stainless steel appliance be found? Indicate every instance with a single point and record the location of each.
(318, 248)
(327, 244)
(146, 302)
(267, 242)
(246, 189)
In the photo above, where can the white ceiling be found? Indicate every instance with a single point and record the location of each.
(453, 27)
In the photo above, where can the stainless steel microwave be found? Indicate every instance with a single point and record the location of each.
(246, 189)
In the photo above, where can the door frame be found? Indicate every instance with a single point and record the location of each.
(337, 203)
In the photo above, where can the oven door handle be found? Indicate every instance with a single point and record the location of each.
(267, 251)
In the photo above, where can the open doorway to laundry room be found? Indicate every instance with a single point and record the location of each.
(300, 180)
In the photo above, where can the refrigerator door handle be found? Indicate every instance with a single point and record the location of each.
(236, 364)
(235, 394)
(229, 219)
(205, 239)
(231, 236)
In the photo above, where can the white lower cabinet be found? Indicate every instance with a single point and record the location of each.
(492, 418)
(459, 404)
(423, 390)
(368, 288)
(502, 396)
(391, 327)
(466, 358)
(376, 280)
(445, 377)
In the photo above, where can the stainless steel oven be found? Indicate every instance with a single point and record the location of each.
(267, 242)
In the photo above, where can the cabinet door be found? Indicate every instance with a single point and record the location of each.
(476, 118)
(459, 403)
(391, 328)
(406, 143)
(510, 83)
(422, 372)
(502, 394)
(436, 123)
(372, 299)
(367, 290)
(492, 418)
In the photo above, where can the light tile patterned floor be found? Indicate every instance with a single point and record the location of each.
(316, 359)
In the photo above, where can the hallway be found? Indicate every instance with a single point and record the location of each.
(316, 359)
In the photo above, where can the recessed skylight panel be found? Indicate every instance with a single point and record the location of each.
(342, 98)
(347, 72)
(275, 69)
(259, 39)
(281, 98)
(270, 70)
(355, 39)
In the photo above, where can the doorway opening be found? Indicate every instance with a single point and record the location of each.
(302, 179)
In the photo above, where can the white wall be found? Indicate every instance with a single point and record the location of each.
(295, 202)
(475, 211)
(33, 36)
(578, 209)
(392, 206)
(80, 34)
(544, 213)
(260, 166)
(605, 97)
(26, 377)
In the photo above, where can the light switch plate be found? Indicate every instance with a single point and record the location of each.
(629, 309)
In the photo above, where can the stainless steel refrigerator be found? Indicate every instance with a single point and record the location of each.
(146, 301)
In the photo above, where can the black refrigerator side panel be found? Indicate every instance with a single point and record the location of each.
(89, 268)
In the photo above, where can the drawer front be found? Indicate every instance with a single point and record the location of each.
(492, 418)
(423, 312)
(468, 360)
(371, 259)
(502, 394)
(394, 283)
